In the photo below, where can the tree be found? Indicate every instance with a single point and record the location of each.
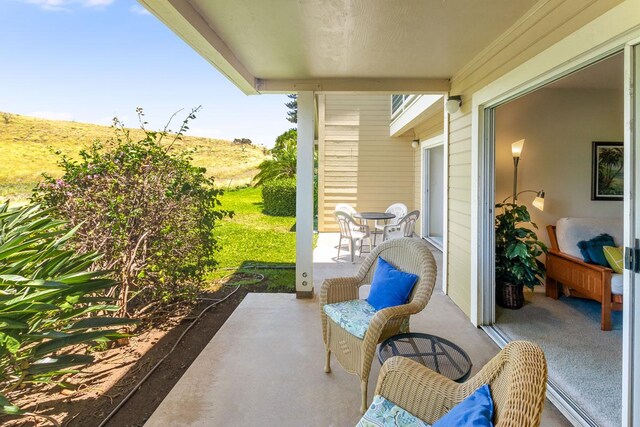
(292, 105)
(243, 142)
(291, 134)
(282, 165)
(611, 164)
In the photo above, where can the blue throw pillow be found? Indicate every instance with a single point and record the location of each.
(475, 411)
(390, 286)
(592, 251)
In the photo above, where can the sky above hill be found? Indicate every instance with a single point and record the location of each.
(91, 60)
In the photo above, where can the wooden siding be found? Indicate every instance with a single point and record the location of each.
(459, 226)
(358, 162)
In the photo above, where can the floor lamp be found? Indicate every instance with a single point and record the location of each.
(516, 151)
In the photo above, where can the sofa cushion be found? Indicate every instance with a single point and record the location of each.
(592, 250)
(615, 258)
(352, 316)
(617, 284)
(570, 231)
(384, 413)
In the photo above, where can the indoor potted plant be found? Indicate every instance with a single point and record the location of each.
(517, 252)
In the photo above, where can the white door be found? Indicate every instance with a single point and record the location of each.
(433, 191)
(631, 309)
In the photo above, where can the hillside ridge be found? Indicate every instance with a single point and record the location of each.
(28, 146)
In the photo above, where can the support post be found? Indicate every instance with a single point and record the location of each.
(304, 195)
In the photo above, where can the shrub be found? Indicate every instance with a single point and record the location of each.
(146, 207)
(47, 295)
(279, 197)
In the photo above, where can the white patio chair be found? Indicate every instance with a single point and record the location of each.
(352, 231)
(404, 228)
(399, 210)
(345, 207)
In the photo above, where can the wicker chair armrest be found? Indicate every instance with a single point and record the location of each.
(421, 391)
(339, 289)
(383, 316)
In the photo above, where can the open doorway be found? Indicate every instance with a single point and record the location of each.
(564, 126)
(433, 191)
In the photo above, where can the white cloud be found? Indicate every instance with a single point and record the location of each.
(52, 115)
(66, 5)
(139, 10)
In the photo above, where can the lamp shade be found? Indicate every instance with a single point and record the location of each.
(538, 202)
(516, 148)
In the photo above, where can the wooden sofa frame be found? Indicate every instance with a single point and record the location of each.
(581, 279)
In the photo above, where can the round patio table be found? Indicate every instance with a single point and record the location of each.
(374, 216)
(434, 352)
(371, 216)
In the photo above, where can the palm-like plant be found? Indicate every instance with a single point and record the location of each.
(281, 165)
(49, 301)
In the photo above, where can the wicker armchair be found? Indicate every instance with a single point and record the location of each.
(354, 354)
(517, 377)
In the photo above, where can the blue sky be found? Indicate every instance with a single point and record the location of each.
(90, 60)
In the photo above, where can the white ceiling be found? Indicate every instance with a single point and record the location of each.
(606, 74)
(310, 39)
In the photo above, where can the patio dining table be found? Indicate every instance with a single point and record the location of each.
(374, 216)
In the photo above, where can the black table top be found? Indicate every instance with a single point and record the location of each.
(374, 215)
(434, 352)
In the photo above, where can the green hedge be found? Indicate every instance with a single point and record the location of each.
(279, 197)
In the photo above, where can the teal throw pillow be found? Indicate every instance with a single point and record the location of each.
(475, 411)
(390, 286)
(592, 251)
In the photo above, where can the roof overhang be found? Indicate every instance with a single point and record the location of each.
(352, 46)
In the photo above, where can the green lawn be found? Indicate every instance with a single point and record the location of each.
(251, 239)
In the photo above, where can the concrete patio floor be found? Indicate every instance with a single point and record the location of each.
(265, 365)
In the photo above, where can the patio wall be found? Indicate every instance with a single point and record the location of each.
(358, 162)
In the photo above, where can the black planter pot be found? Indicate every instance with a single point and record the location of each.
(509, 295)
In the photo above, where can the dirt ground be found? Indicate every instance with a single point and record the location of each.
(88, 397)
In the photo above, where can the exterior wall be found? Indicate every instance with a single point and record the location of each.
(542, 29)
(358, 162)
(459, 225)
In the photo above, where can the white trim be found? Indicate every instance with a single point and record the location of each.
(416, 109)
(445, 207)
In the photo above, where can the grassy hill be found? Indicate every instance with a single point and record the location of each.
(27, 144)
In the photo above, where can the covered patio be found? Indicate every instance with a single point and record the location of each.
(265, 365)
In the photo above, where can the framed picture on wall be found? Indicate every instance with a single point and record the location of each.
(607, 171)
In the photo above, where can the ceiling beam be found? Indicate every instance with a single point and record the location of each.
(190, 26)
(356, 85)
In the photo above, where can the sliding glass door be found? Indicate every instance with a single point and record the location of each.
(631, 310)
(433, 191)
